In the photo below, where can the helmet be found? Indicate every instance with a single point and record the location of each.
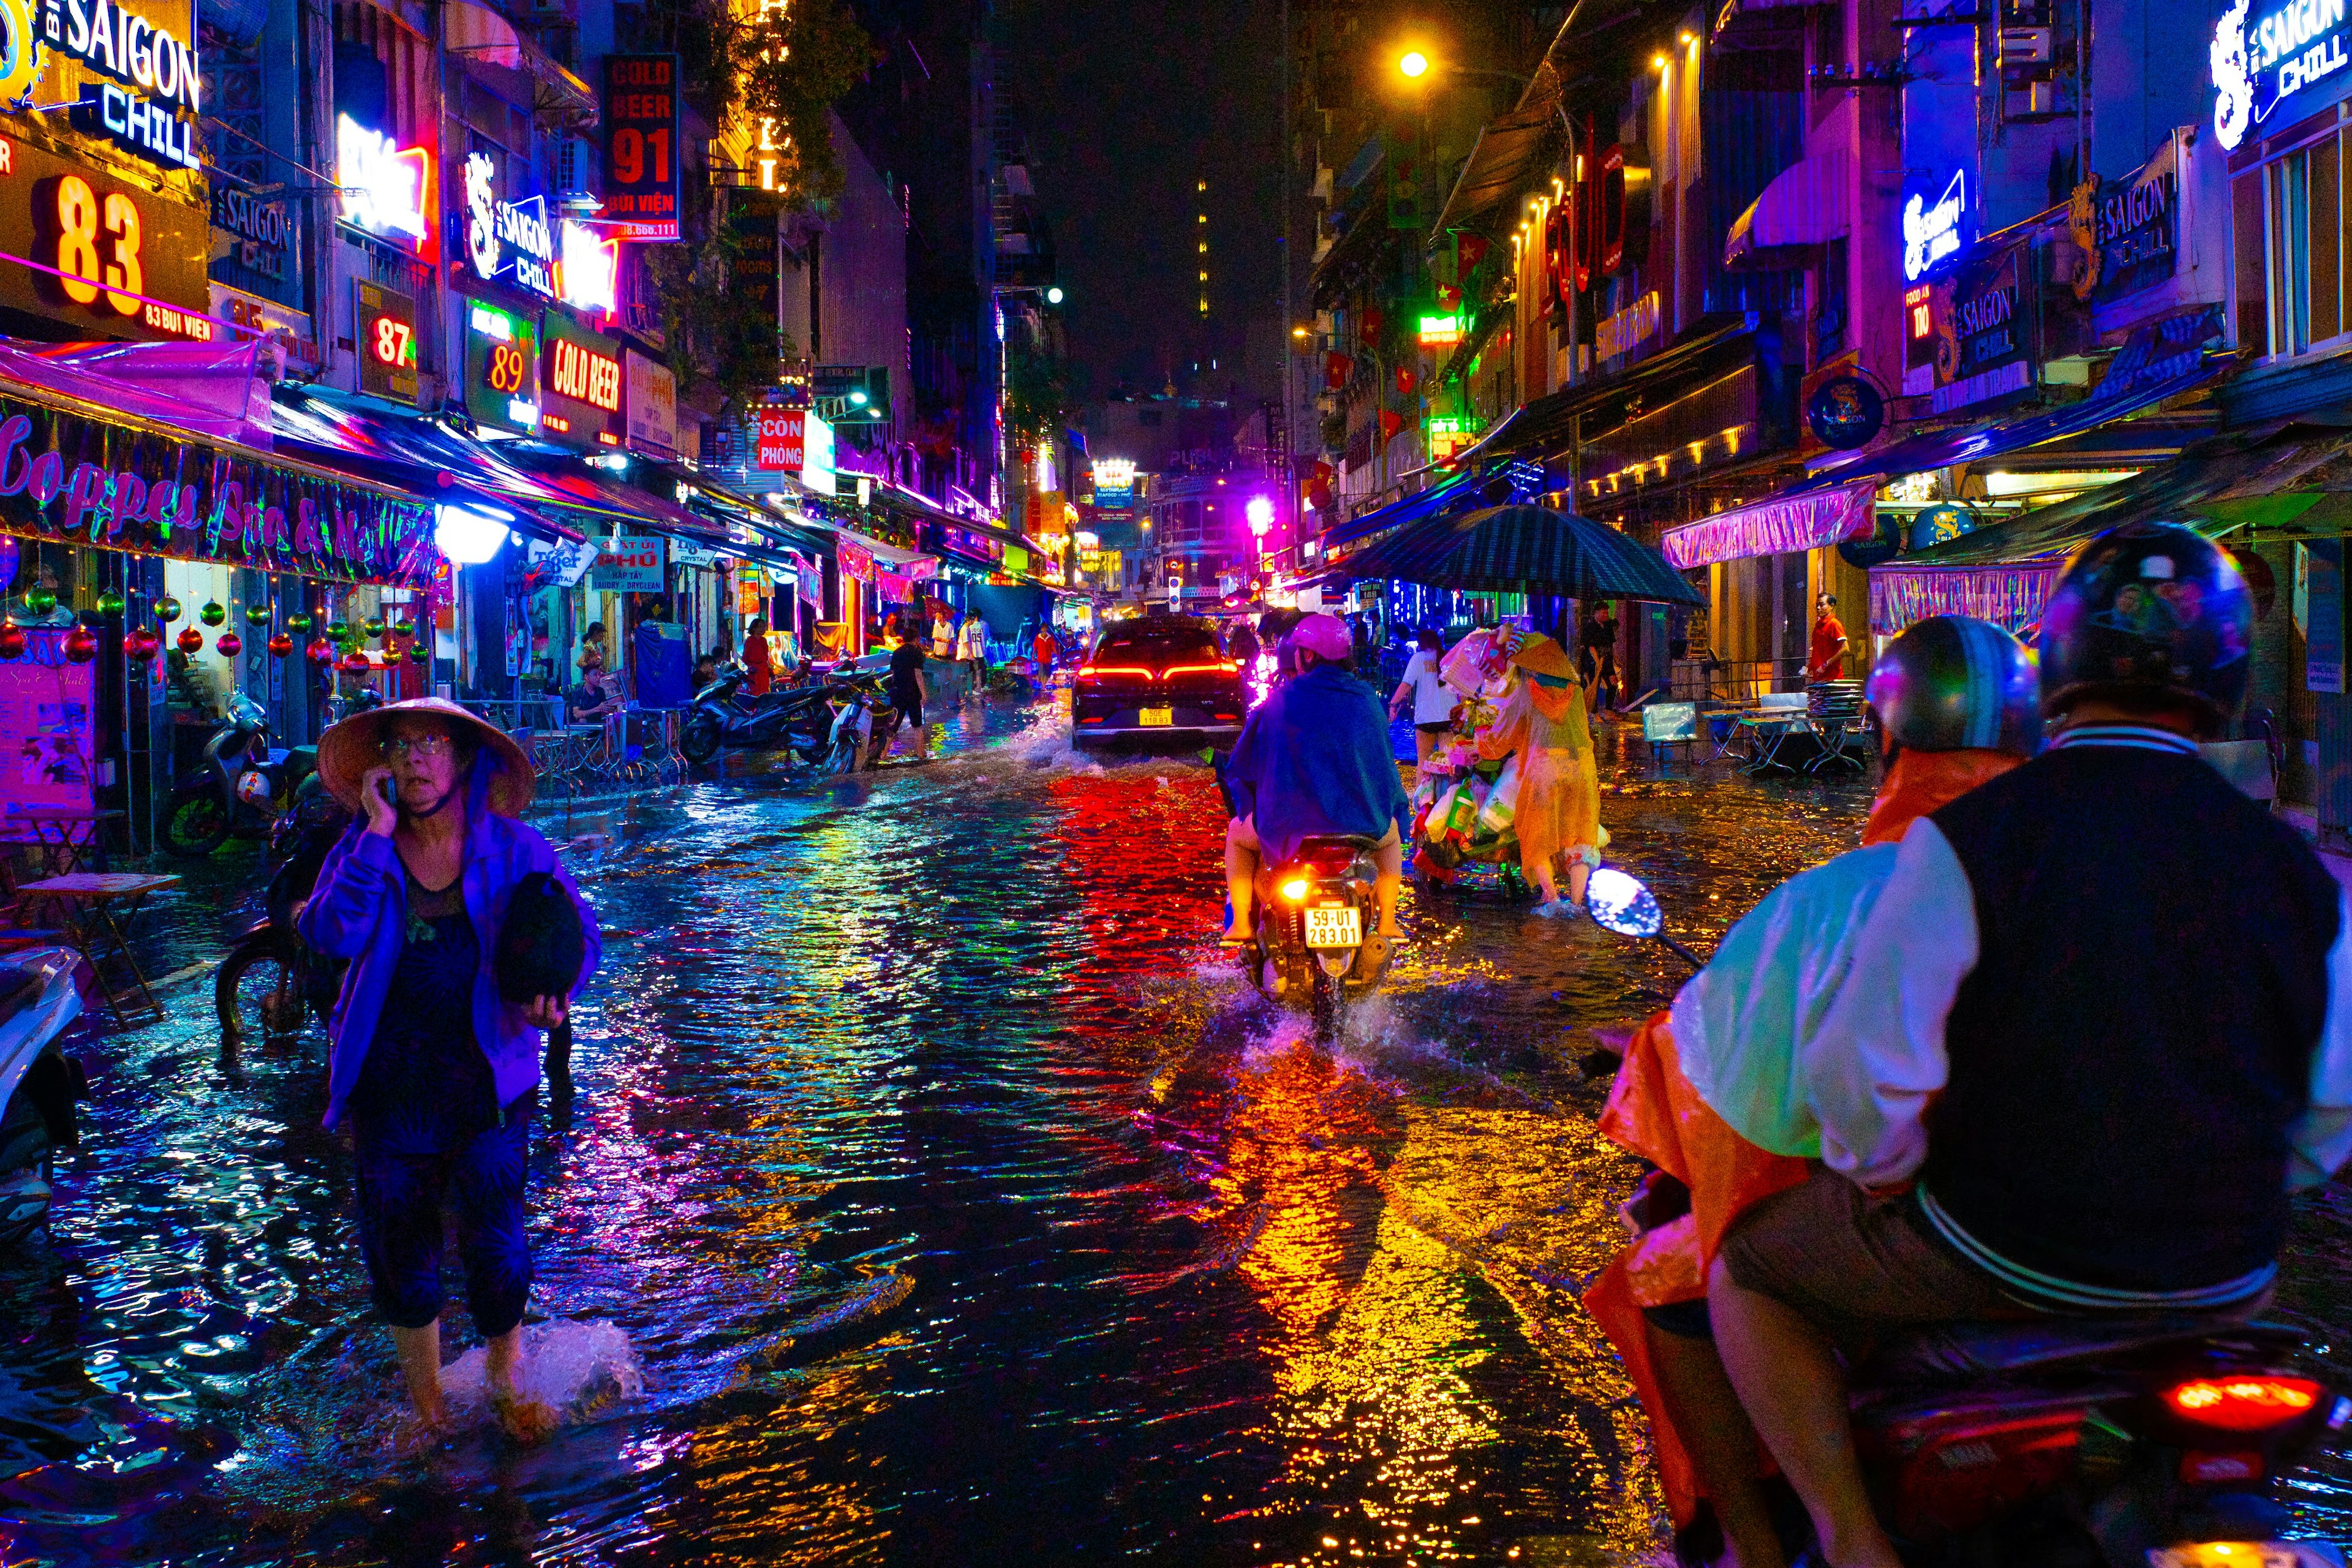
(253, 787)
(1953, 683)
(1326, 636)
(2149, 611)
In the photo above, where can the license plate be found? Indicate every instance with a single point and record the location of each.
(1335, 925)
(1160, 717)
(2249, 1554)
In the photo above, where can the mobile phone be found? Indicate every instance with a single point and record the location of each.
(383, 787)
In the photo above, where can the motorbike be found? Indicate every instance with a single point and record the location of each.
(2165, 1441)
(39, 1084)
(271, 977)
(240, 788)
(798, 718)
(864, 720)
(1314, 912)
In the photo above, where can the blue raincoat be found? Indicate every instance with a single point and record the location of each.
(1314, 759)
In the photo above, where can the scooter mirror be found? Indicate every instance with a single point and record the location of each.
(1621, 904)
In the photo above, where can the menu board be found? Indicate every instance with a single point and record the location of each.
(47, 754)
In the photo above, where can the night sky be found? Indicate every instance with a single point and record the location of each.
(1126, 108)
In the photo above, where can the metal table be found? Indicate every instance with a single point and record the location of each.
(92, 907)
(70, 837)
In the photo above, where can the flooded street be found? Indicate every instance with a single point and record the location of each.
(949, 1200)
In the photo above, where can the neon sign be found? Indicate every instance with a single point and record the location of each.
(130, 49)
(580, 373)
(386, 188)
(507, 239)
(588, 274)
(2294, 46)
(1933, 235)
(1438, 331)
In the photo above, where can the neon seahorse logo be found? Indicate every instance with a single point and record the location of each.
(481, 231)
(2233, 110)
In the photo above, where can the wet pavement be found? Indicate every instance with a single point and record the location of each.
(929, 1190)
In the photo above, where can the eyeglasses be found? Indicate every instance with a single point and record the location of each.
(400, 748)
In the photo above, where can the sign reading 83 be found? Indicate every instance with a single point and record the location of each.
(81, 215)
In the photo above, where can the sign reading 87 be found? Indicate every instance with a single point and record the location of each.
(80, 218)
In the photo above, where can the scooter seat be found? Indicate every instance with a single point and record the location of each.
(1954, 1352)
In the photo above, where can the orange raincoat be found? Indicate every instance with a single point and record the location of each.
(1559, 802)
(1655, 1111)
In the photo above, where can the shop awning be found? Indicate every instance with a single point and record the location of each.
(570, 483)
(211, 390)
(1805, 205)
(1548, 424)
(1455, 492)
(2160, 362)
(413, 454)
(1775, 527)
(1514, 151)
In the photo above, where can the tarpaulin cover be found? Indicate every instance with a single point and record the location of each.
(2010, 597)
(209, 390)
(1524, 549)
(1784, 523)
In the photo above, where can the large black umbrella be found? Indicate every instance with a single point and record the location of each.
(1524, 549)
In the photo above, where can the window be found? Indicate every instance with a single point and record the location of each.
(2305, 195)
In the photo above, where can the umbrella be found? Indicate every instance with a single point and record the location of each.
(1524, 549)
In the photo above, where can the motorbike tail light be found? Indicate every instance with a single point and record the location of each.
(2242, 1403)
(1952, 1470)
(1296, 888)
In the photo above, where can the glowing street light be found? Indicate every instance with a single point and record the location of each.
(1260, 512)
(1413, 63)
(1053, 296)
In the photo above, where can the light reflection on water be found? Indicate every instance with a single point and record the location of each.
(959, 1201)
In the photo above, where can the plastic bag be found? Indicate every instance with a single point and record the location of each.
(1501, 805)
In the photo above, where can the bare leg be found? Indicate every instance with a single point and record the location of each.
(1390, 859)
(1580, 873)
(420, 1368)
(1241, 876)
(525, 1420)
(1723, 1448)
(1789, 1382)
(1424, 742)
(1539, 872)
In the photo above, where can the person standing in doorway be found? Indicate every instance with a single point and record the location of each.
(1827, 661)
(1600, 662)
(758, 672)
(971, 647)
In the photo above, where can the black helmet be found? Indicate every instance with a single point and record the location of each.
(1955, 683)
(541, 943)
(2149, 613)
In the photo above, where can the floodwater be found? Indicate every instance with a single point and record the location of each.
(928, 1191)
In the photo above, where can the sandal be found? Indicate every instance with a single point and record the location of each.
(1238, 939)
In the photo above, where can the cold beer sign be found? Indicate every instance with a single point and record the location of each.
(641, 150)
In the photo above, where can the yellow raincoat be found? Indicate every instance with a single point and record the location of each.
(1559, 802)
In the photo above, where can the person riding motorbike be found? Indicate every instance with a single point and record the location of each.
(1314, 760)
(1708, 1091)
(2097, 1025)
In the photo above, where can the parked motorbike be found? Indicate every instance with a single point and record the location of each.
(270, 978)
(2156, 1442)
(1314, 912)
(39, 1084)
(724, 715)
(240, 788)
(864, 721)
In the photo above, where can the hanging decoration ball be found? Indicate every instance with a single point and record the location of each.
(355, 663)
(229, 644)
(191, 641)
(110, 602)
(420, 654)
(320, 652)
(338, 632)
(142, 646)
(167, 609)
(373, 626)
(297, 620)
(212, 614)
(40, 601)
(12, 639)
(82, 644)
(256, 615)
(281, 645)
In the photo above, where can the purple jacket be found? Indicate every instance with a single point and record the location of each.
(359, 911)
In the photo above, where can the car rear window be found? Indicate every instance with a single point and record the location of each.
(1160, 644)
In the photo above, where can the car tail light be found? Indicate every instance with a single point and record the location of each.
(2242, 1403)
(1094, 673)
(1220, 668)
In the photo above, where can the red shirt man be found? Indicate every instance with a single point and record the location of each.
(1828, 659)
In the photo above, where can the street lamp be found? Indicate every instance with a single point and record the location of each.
(1413, 63)
(1054, 295)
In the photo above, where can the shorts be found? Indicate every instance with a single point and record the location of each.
(400, 1200)
(910, 707)
(1851, 1262)
(1439, 728)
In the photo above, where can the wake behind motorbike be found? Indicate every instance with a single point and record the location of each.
(239, 788)
(2158, 1441)
(39, 1084)
(1314, 912)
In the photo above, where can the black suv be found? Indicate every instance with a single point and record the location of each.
(1156, 675)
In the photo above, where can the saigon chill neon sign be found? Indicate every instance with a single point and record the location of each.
(2272, 59)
